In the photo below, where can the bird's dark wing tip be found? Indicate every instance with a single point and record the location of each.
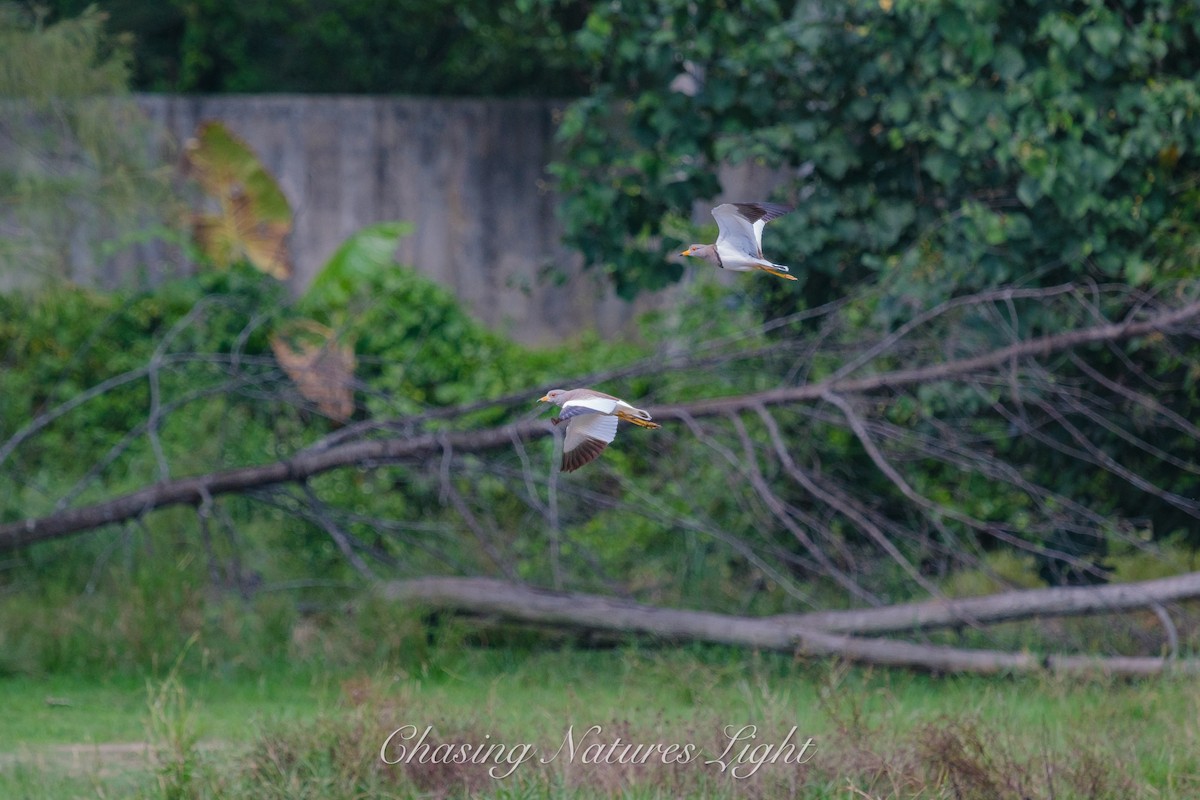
(587, 451)
(764, 211)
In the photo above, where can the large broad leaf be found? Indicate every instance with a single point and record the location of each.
(355, 263)
(321, 367)
(254, 217)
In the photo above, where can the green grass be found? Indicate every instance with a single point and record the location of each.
(69, 709)
(292, 733)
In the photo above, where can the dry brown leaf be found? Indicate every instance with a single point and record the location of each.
(254, 217)
(321, 367)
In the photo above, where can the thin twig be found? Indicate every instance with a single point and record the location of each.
(1172, 632)
(340, 538)
(864, 438)
(779, 508)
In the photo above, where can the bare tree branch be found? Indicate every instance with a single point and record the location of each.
(308, 463)
(340, 537)
(654, 509)
(1091, 453)
(1169, 628)
(1005, 606)
(864, 438)
(859, 516)
(887, 342)
(484, 538)
(1145, 401)
(782, 513)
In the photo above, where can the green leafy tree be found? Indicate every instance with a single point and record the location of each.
(516, 47)
(80, 177)
(932, 149)
(949, 145)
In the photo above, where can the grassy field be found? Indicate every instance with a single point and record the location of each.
(292, 733)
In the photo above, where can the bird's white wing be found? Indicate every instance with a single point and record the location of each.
(737, 232)
(742, 224)
(588, 433)
(601, 405)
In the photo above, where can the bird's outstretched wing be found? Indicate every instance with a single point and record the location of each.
(588, 433)
(742, 224)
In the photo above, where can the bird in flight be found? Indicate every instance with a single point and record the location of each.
(591, 419)
(739, 244)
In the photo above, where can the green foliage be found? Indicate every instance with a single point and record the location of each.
(416, 346)
(357, 261)
(61, 341)
(516, 47)
(280, 736)
(86, 369)
(1001, 571)
(932, 150)
(145, 604)
(947, 146)
(71, 59)
(80, 176)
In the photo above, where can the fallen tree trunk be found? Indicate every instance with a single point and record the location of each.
(803, 634)
(309, 463)
(1003, 607)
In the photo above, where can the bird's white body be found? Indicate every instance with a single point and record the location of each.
(603, 404)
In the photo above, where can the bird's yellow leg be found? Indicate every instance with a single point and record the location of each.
(637, 420)
(778, 273)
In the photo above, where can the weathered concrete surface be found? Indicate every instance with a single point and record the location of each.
(469, 174)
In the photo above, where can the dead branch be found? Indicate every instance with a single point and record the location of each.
(308, 463)
(878, 537)
(656, 510)
(825, 633)
(340, 537)
(1007, 606)
(782, 512)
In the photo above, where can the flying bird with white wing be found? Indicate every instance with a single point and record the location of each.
(591, 419)
(739, 244)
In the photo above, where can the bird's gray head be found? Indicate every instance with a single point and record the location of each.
(553, 396)
(700, 251)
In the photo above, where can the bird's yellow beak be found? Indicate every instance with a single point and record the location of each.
(687, 252)
(544, 399)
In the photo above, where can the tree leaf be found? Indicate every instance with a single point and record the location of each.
(355, 263)
(321, 367)
(254, 217)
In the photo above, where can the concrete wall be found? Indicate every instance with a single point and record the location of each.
(469, 174)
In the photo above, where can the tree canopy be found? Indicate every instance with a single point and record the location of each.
(948, 145)
(516, 47)
(80, 181)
